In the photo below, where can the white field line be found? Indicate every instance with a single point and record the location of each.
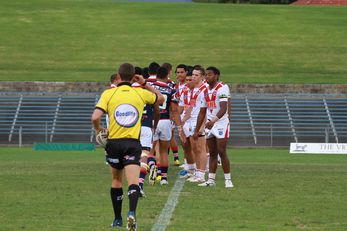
(166, 213)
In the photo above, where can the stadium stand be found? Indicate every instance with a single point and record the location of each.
(256, 119)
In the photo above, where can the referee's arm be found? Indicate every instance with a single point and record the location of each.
(96, 117)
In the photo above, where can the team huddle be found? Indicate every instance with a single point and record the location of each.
(144, 106)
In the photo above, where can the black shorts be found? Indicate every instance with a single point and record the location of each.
(122, 152)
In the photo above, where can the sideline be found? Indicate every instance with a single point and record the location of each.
(166, 213)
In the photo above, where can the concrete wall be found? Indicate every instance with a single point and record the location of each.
(89, 87)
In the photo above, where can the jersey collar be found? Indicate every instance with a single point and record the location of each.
(123, 83)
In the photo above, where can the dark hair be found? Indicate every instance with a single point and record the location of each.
(201, 69)
(145, 72)
(190, 69)
(190, 73)
(196, 66)
(214, 70)
(138, 70)
(168, 66)
(126, 71)
(113, 77)
(152, 68)
(182, 66)
(162, 73)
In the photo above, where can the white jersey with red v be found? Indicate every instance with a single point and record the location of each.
(213, 97)
(179, 89)
(193, 98)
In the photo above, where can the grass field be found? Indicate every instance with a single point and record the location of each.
(273, 190)
(86, 40)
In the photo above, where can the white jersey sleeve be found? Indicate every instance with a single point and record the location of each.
(223, 93)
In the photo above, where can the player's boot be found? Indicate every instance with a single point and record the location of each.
(208, 183)
(229, 184)
(117, 223)
(177, 163)
(152, 174)
(131, 225)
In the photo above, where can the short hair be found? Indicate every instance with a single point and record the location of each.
(145, 72)
(162, 73)
(214, 70)
(126, 71)
(138, 70)
(152, 68)
(201, 69)
(182, 66)
(197, 65)
(168, 66)
(190, 68)
(113, 78)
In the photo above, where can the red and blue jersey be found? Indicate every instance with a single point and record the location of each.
(169, 95)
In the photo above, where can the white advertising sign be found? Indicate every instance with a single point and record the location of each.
(318, 148)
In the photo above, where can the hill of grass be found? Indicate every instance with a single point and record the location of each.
(86, 40)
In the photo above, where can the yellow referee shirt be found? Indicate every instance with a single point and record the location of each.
(124, 106)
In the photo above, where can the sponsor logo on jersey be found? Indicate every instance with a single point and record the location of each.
(126, 115)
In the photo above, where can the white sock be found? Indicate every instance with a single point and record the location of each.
(227, 176)
(212, 176)
(201, 174)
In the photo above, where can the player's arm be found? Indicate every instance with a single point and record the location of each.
(142, 82)
(177, 119)
(100, 109)
(223, 109)
(156, 115)
(200, 120)
(96, 119)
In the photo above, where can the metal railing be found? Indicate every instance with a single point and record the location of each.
(255, 119)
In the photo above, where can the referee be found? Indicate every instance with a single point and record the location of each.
(124, 106)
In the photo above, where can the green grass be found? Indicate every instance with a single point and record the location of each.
(273, 190)
(86, 40)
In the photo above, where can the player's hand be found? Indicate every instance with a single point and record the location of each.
(182, 136)
(196, 135)
(209, 124)
(100, 129)
(139, 79)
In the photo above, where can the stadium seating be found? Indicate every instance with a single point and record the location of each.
(256, 120)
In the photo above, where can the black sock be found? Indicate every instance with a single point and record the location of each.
(133, 195)
(117, 199)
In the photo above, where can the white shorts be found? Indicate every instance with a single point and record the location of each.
(146, 138)
(163, 131)
(189, 128)
(219, 130)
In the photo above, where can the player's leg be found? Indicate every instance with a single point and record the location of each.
(221, 141)
(146, 138)
(132, 174)
(189, 167)
(164, 143)
(212, 146)
(164, 160)
(117, 196)
(116, 191)
(174, 148)
(221, 146)
(131, 160)
(198, 148)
